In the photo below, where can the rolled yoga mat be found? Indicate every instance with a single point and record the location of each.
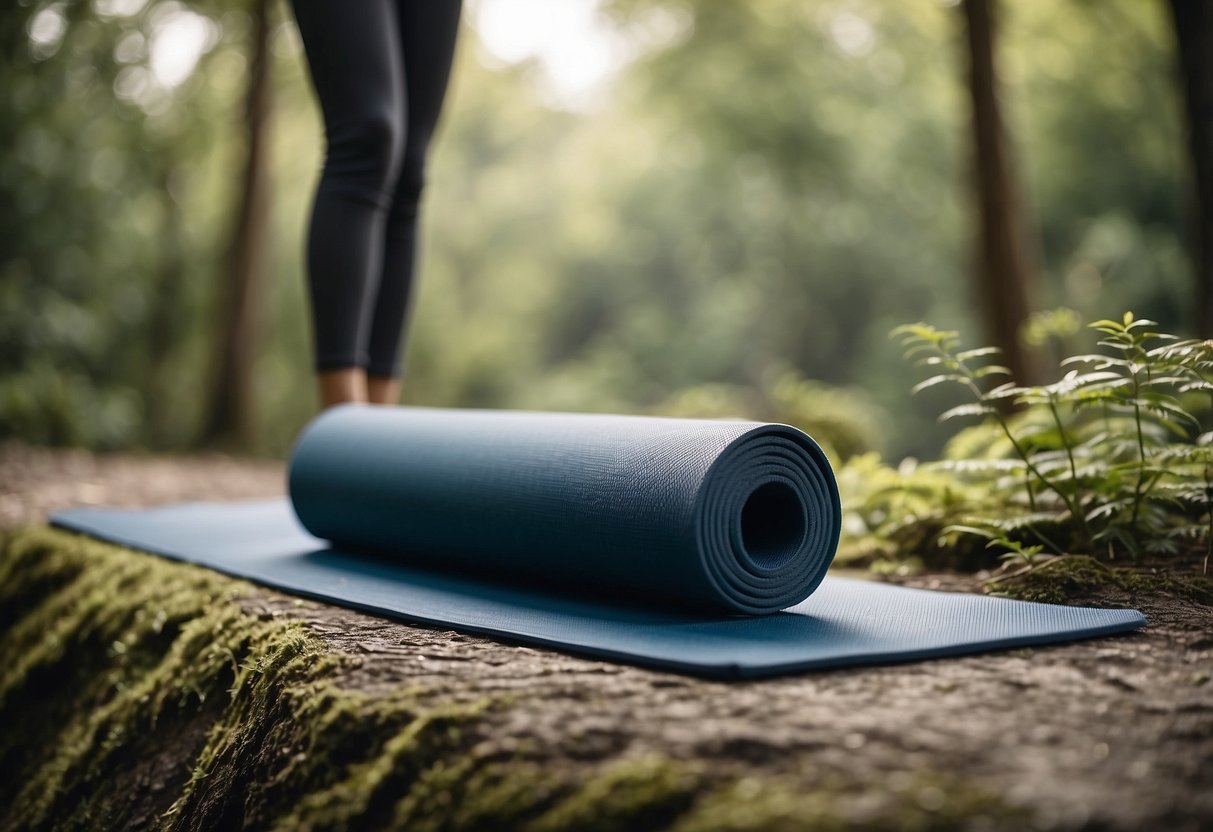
(727, 517)
(667, 542)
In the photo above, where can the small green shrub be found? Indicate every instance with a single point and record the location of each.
(1114, 459)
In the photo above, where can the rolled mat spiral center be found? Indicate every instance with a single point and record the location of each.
(738, 517)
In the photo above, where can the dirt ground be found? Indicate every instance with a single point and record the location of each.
(1115, 733)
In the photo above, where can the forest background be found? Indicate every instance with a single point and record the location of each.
(693, 208)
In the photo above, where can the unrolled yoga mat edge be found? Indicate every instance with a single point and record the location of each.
(846, 623)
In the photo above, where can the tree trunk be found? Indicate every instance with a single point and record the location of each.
(1193, 21)
(230, 420)
(1006, 263)
(165, 315)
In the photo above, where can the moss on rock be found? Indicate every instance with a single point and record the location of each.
(928, 800)
(114, 659)
(141, 693)
(105, 657)
(648, 792)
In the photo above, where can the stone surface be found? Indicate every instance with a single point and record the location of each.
(1114, 733)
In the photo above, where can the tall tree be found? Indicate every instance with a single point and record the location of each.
(165, 308)
(230, 418)
(1193, 21)
(1006, 261)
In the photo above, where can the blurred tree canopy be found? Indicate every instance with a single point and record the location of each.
(760, 194)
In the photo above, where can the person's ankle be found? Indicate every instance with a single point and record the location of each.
(382, 389)
(345, 385)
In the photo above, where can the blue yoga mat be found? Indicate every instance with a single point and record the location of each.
(696, 546)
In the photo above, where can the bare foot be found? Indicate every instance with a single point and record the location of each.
(383, 389)
(344, 386)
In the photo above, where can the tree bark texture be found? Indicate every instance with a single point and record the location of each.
(1006, 262)
(238, 316)
(1193, 21)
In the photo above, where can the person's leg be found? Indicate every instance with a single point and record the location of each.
(347, 385)
(353, 52)
(427, 30)
(382, 389)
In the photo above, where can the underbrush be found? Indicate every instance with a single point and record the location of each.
(1113, 460)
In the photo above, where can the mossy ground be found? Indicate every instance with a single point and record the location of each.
(1080, 576)
(141, 693)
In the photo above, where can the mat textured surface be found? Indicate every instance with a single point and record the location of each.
(643, 540)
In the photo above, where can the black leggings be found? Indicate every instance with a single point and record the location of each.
(380, 70)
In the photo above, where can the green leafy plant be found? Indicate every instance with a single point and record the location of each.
(1114, 459)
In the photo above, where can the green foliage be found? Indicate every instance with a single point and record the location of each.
(1115, 459)
(763, 186)
(844, 422)
(893, 514)
(112, 218)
